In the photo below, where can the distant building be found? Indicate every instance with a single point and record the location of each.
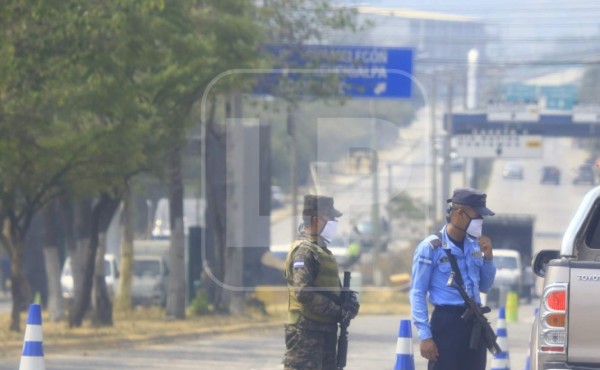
(437, 38)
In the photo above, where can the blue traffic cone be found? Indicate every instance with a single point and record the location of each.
(32, 357)
(528, 359)
(501, 361)
(404, 351)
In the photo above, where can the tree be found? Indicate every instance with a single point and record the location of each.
(73, 114)
(224, 35)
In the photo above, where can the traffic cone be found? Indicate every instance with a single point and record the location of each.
(501, 361)
(404, 351)
(527, 359)
(32, 357)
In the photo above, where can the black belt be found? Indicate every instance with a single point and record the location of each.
(459, 309)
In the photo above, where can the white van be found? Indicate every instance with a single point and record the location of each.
(111, 275)
(149, 280)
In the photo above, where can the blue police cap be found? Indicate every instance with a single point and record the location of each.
(472, 198)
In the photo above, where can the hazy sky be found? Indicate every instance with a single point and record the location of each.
(527, 28)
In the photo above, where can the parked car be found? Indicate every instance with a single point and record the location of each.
(364, 234)
(111, 276)
(511, 275)
(513, 171)
(585, 175)
(456, 162)
(550, 174)
(149, 280)
(276, 197)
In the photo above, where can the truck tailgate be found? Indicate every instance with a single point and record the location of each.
(583, 326)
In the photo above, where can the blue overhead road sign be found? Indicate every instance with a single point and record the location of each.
(373, 72)
(366, 71)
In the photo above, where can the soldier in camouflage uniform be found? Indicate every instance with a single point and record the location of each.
(314, 291)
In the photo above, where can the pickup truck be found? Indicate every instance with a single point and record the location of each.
(566, 332)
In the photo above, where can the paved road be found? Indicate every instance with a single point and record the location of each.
(372, 346)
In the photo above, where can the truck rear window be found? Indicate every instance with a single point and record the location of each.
(592, 233)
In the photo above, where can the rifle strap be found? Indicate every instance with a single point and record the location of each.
(454, 265)
(451, 258)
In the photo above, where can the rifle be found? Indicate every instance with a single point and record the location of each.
(481, 325)
(342, 344)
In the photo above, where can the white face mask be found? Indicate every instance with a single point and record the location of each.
(475, 227)
(329, 231)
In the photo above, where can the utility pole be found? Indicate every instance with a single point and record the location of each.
(434, 160)
(447, 139)
(471, 93)
(291, 128)
(375, 198)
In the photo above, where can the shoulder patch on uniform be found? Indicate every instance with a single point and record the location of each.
(435, 242)
(298, 264)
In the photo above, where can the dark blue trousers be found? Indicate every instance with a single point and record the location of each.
(451, 335)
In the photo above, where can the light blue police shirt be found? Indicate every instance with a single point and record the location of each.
(431, 270)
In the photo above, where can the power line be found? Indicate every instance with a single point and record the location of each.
(524, 63)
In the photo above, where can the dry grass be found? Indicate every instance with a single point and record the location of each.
(148, 325)
(138, 327)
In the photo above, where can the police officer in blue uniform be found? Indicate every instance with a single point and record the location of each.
(445, 338)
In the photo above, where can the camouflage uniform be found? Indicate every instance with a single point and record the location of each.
(311, 345)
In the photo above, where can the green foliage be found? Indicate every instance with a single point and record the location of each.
(92, 93)
(404, 206)
(200, 305)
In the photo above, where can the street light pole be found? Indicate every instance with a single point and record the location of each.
(291, 127)
(375, 197)
(434, 161)
(447, 138)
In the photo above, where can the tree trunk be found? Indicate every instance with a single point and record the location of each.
(81, 296)
(176, 290)
(101, 304)
(214, 239)
(17, 283)
(99, 221)
(56, 307)
(123, 297)
(102, 313)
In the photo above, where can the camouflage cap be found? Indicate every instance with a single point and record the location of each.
(319, 205)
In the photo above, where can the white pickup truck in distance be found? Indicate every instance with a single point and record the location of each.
(566, 330)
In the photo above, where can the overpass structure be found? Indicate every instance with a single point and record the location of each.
(547, 125)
